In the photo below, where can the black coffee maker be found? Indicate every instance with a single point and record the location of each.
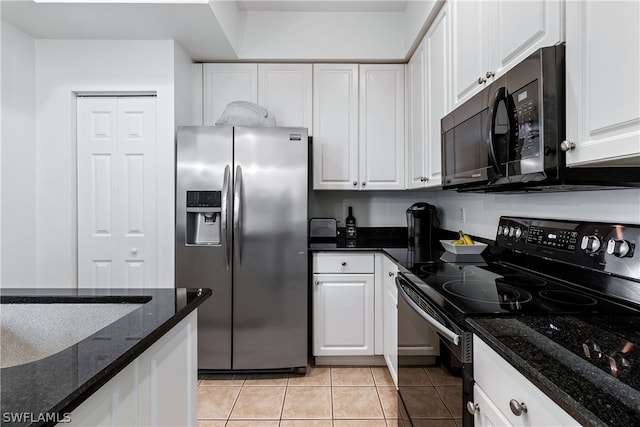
(422, 222)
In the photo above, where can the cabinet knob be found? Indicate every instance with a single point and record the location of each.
(134, 251)
(490, 74)
(481, 80)
(518, 408)
(391, 274)
(472, 408)
(355, 182)
(567, 145)
(344, 263)
(364, 183)
(317, 283)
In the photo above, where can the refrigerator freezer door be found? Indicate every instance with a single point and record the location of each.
(270, 263)
(204, 158)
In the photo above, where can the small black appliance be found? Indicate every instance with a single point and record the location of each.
(422, 222)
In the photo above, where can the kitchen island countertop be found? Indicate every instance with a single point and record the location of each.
(48, 388)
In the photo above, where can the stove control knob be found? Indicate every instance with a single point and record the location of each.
(518, 233)
(590, 244)
(506, 230)
(499, 230)
(619, 248)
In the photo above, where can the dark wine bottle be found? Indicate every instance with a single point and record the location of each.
(351, 225)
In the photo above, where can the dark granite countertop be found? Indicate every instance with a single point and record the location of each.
(59, 383)
(368, 239)
(548, 350)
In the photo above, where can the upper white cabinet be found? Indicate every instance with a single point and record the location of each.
(488, 38)
(428, 82)
(285, 90)
(603, 83)
(225, 83)
(358, 125)
(381, 139)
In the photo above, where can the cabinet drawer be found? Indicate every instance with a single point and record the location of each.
(502, 383)
(340, 262)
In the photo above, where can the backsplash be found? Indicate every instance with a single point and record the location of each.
(481, 211)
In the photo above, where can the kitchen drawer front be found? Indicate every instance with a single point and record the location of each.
(341, 262)
(502, 383)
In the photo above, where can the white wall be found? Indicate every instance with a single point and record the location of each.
(482, 211)
(18, 171)
(62, 68)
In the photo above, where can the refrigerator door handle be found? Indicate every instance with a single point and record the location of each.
(237, 211)
(225, 216)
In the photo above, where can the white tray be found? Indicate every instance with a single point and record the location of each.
(476, 248)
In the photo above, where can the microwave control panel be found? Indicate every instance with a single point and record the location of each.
(528, 121)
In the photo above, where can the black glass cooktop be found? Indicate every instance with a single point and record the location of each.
(492, 288)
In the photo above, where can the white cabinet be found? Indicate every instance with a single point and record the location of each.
(358, 127)
(502, 386)
(285, 90)
(343, 304)
(428, 82)
(390, 317)
(225, 83)
(159, 388)
(603, 87)
(488, 38)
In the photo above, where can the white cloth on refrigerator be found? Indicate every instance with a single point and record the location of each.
(244, 113)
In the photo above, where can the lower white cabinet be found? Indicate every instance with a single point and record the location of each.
(499, 387)
(390, 317)
(343, 304)
(159, 388)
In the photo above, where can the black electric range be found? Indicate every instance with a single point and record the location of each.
(589, 272)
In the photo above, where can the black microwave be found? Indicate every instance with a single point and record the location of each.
(508, 136)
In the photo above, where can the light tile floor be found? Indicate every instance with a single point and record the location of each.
(336, 396)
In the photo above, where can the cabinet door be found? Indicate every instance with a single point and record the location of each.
(437, 93)
(285, 91)
(381, 139)
(469, 48)
(225, 83)
(515, 37)
(343, 315)
(416, 117)
(602, 66)
(390, 318)
(335, 126)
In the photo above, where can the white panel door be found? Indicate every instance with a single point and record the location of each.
(285, 91)
(416, 136)
(603, 83)
(335, 126)
(225, 83)
(343, 315)
(117, 226)
(381, 139)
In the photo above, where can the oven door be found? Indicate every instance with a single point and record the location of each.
(418, 401)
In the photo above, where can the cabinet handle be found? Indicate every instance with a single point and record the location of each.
(518, 408)
(355, 182)
(391, 274)
(344, 263)
(481, 80)
(490, 74)
(567, 145)
(472, 408)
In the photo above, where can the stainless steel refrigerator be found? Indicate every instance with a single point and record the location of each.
(241, 230)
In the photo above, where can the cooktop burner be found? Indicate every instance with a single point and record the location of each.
(568, 297)
(520, 280)
(481, 291)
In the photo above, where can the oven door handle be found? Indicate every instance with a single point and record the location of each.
(446, 333)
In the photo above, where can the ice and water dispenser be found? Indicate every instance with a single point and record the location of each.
(204, 217)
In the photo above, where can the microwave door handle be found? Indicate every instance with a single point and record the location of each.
(446, 333)
(501, 96)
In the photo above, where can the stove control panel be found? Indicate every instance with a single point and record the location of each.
(600, 246)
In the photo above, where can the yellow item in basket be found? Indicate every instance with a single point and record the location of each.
(463, 240)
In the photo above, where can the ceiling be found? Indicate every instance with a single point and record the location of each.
(226, 30)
